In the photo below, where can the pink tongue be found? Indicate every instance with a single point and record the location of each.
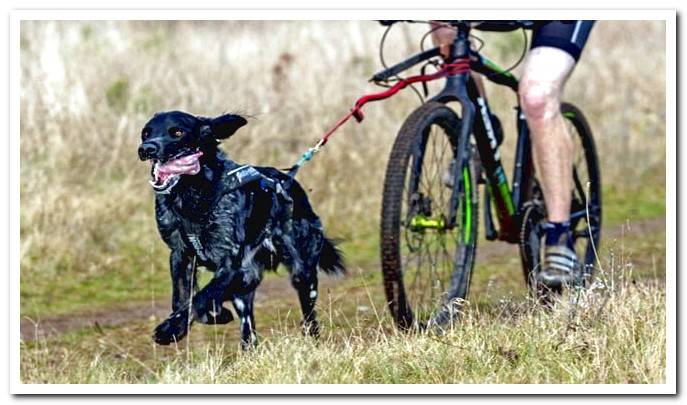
(184, 165)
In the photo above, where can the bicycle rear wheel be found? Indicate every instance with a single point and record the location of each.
(429, 219)
(585, 209)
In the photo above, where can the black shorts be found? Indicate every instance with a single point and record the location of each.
(569, 36)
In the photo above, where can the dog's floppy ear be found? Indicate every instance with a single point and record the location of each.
(224, 126)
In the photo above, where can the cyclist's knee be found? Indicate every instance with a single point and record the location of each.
(540, 100)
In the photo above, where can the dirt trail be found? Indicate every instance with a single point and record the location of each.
(271, 287)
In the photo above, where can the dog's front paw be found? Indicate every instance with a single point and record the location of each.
(173, 329)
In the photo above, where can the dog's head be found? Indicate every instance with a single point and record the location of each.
(175, 141)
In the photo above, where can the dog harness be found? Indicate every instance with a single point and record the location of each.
(240, 177)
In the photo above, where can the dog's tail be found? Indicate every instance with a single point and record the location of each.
(331, 258)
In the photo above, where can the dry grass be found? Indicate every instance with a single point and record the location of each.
(88, 87)
(613, 333)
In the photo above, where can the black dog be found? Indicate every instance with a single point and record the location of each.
(234, 220)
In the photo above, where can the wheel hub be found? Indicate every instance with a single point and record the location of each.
(420, 223)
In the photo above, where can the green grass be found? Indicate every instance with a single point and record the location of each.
(139, 269)
(132, 272)
(644, 201)
(604, 336)
(503, 336)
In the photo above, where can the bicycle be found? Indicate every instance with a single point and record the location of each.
(431, 197)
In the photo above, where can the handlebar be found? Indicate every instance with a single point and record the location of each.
(482, 25)
(503, 25)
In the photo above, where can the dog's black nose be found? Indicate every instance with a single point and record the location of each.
(147, 150)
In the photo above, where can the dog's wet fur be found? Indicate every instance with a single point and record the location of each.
(235, 233)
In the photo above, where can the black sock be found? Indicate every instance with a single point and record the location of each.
(558, 233)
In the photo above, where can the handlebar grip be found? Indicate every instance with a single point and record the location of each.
(387, 23)
(503, 25)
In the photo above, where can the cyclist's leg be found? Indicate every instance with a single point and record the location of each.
(556, 48)
(545, 73)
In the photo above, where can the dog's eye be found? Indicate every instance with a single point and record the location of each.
(145, 133)
(176, 132)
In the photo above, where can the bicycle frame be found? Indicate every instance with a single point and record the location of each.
(508, 201)
(461, 88)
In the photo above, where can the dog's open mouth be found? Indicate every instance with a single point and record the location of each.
(164, 176)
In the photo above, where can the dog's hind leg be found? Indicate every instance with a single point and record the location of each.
(305, 283)
(243, 304)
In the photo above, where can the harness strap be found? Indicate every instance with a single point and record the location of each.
(241, 176)
(197, 246)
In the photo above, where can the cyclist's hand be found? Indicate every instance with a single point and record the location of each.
(386, 23)
(443, 36)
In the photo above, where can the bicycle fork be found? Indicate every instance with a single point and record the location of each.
(455, 90)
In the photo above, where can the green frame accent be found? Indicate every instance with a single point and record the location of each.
(467, 230)
(494, 66)
(505, 193)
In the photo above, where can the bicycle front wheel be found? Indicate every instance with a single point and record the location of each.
(429, 219)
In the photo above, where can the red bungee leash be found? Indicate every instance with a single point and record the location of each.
(449, 69)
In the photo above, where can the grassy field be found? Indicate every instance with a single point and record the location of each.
(614, 333)
(90, 249)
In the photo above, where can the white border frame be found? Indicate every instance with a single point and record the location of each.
(669, 16)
